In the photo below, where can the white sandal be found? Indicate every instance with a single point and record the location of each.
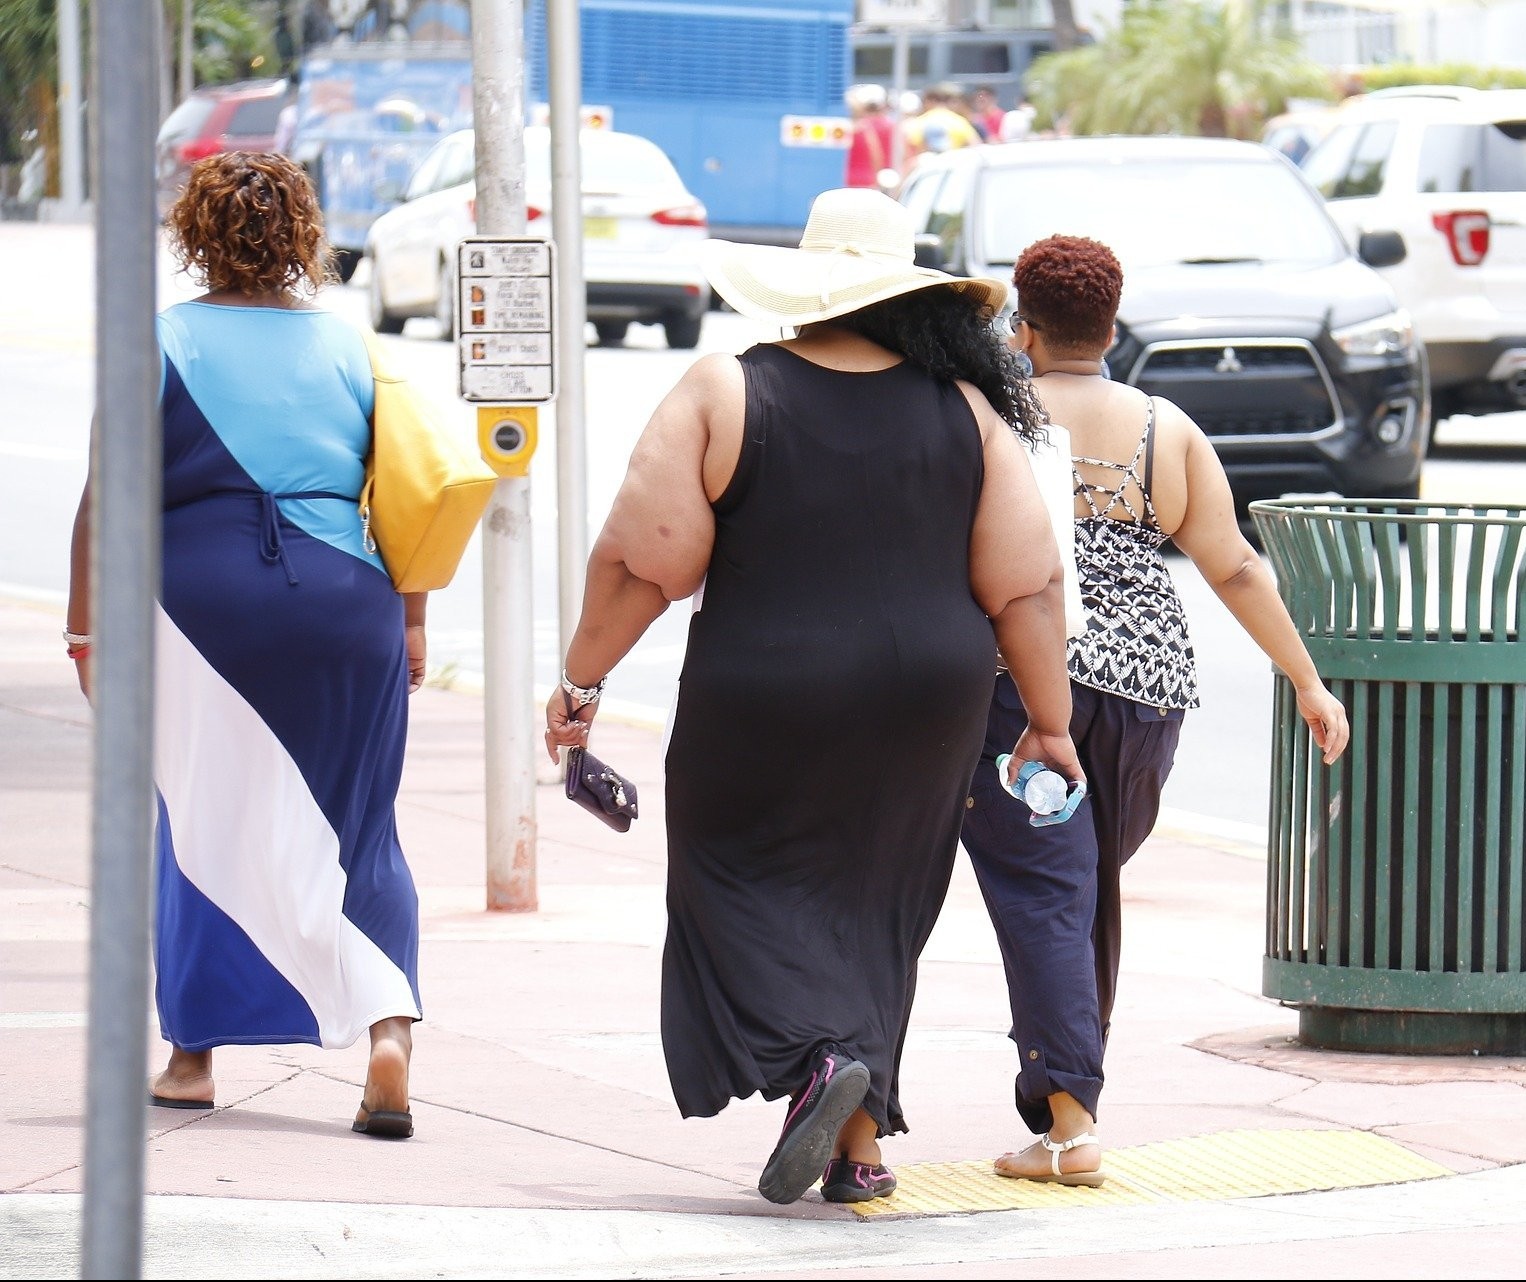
(1083, 1179)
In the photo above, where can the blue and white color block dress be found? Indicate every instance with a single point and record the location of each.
(286, 912)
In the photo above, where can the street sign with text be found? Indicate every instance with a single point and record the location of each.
(507, 309)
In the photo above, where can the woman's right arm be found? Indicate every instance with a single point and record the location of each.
(655, 545)
(1210, 535)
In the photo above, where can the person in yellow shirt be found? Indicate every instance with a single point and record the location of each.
(940, 126)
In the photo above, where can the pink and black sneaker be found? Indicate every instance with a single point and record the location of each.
(845, 1181)
(836, 1088)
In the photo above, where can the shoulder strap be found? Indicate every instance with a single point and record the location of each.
(1149, 446)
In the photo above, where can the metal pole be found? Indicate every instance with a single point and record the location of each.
(187, 49)
(71, 152)
(564, 82)
(126, 466)
(900, 56)
(508, 629)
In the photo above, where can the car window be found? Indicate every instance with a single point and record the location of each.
(186, 120)
(1458, 158)
(1369, 159)
(1328, 159)
(1155, 212)
(918, 197)
(946, 218)
(425, 177)
(253, 117)
(611, 162)
(458, 162)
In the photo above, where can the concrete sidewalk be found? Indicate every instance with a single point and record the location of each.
(547, 1142)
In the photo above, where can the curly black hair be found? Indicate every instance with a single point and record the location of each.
(940, 330)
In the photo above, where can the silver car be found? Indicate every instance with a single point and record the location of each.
(642, 230)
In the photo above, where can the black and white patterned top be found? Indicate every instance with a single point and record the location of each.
(1136, 643)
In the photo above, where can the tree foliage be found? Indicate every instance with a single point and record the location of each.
(1197, 67)
(28, 73)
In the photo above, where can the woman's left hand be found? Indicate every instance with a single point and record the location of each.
(417, 648)
(566, 728)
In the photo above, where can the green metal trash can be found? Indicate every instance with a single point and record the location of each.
(1395, 888)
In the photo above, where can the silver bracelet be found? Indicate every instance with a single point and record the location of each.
(78, 638)
(583, 695)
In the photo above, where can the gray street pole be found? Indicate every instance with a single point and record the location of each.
(71, 152)
(187, 49)
(564, 80)
(900, 57)
(124, 557)
(508, 629)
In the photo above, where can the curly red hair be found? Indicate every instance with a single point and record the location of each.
(1069, 287)
(248, 222)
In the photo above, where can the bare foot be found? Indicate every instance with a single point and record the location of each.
(188, 1077)
(858, 1140)
(1079, 1165)
(387, 1074)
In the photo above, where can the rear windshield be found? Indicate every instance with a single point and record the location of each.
(611, 162)
(1456, 158)
(186, 120)
(1154, 212)
(255, 117)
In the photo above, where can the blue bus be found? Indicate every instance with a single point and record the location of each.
(745, 97)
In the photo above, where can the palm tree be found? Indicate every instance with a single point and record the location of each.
(1198, 67)
(29, 82)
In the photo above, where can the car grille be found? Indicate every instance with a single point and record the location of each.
(1243, 389)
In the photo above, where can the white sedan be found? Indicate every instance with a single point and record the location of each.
(642, 230)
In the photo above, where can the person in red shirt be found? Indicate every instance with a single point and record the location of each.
(869, 153)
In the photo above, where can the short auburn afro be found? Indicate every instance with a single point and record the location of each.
(1069, 286)
(248, 222)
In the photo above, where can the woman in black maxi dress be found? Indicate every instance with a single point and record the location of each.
(868, 534)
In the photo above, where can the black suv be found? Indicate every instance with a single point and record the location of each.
(1241, 302)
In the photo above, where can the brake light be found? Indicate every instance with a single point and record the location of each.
(681, 216)
(1467, 234)
(471, 210)
(199, 149)
(532, 213)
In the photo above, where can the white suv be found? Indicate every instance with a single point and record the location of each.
(1446, 168)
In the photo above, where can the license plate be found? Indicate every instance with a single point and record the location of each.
(599, 229)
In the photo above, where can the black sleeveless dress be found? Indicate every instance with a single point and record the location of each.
(831, 711)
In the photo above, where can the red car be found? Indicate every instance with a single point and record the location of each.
(237, 117)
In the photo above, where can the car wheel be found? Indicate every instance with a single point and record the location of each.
(681, 331)
(382, 321)
(345, 263)
(445, 303)
(611, 333)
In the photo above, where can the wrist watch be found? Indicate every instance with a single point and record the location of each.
(582, 695)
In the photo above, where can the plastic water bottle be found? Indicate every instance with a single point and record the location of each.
(1042, 789)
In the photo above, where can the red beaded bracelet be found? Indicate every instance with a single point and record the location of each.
(82, 652)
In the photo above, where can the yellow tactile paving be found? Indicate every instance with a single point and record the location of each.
(1218, 1167)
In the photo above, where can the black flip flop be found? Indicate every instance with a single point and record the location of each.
(164, 1101)
(384, 1124)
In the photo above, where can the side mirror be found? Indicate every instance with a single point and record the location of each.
(929, 252)
(388, 193)
(1381, 248)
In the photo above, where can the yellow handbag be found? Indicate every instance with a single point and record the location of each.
(424, 493)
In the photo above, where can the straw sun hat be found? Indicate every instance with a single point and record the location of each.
(857, 249)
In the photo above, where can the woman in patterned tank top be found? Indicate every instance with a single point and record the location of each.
(1144, 473)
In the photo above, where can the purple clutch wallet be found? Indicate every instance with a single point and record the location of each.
(603, 792)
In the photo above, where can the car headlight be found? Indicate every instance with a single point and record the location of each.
(1391, 334)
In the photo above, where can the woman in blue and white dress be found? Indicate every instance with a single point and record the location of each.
(286, 911)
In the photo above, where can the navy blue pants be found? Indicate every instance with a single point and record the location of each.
(1053, 892)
